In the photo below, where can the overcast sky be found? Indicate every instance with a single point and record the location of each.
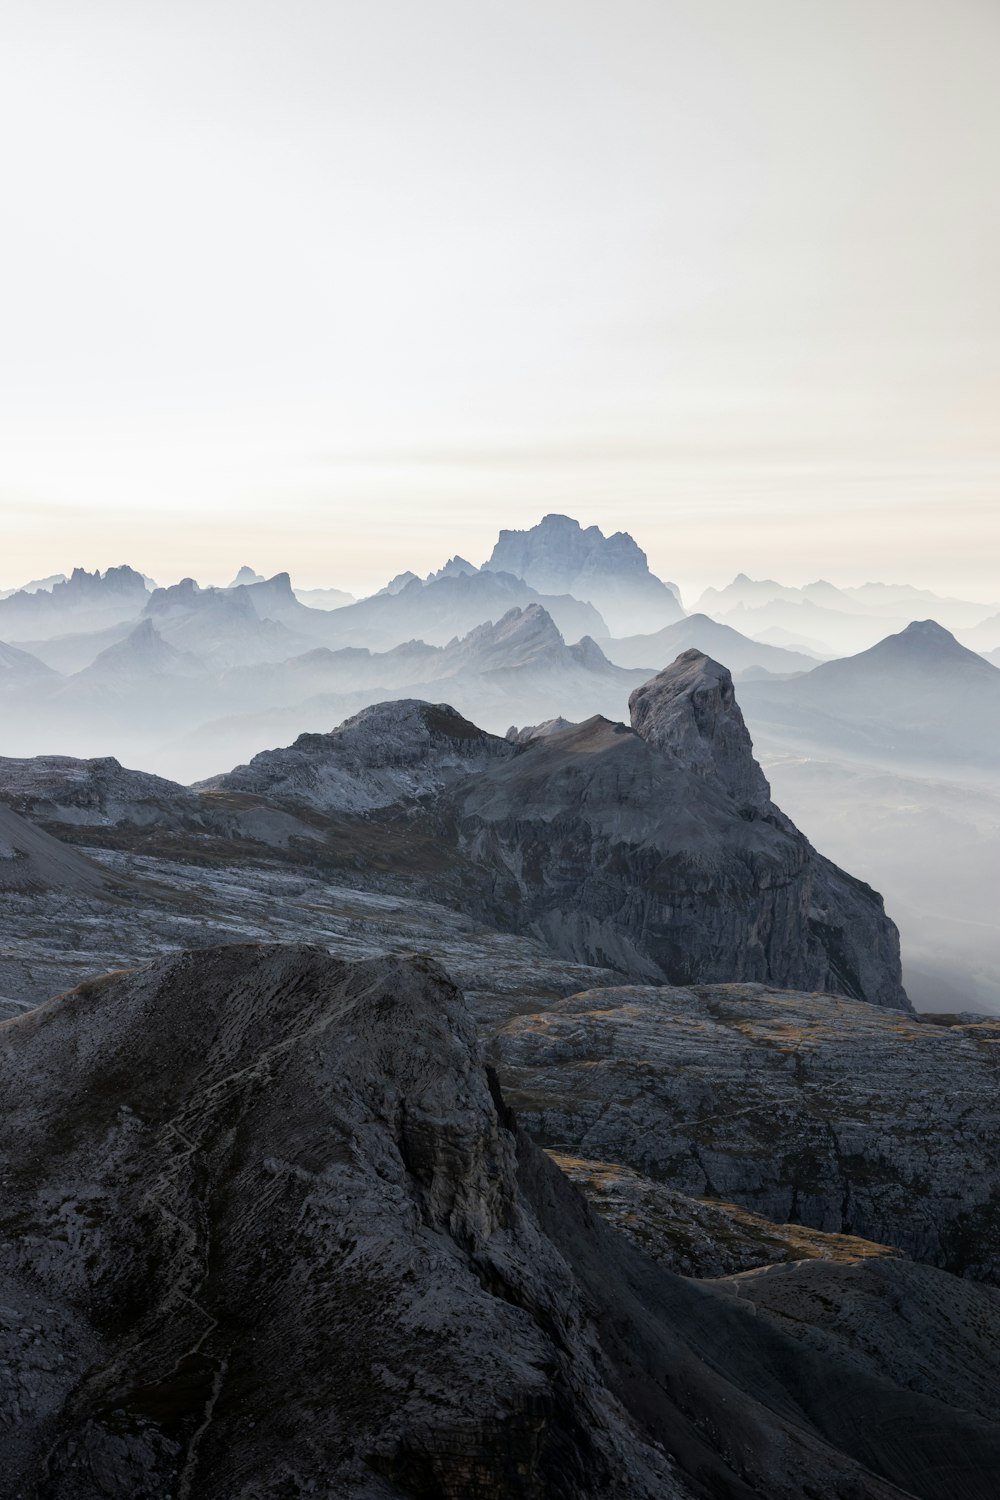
(343, 287)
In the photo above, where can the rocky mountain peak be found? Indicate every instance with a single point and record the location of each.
(247, 575)
(610, 572)
(923, 648)
(143, 650)
(929, 638)
(182, 594)
(690, 708)
(81, 584)
(455, 567)
(519, 633)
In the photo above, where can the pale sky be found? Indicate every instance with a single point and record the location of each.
(344, 287)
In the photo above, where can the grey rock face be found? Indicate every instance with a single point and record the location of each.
(700, 1236)
(617, 853)
(32, 861)
(656, 853)
(65, 791)
(691, 708)
(268, 1229)
(390, 753)
(799, 1107)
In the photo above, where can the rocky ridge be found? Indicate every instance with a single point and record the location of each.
(798, 1107)
(653, 850)
(286, 1236)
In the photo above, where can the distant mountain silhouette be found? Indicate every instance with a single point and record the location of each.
(738, 652)
(559, 556)
(918, 697)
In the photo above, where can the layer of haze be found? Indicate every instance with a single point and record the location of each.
(341, 287)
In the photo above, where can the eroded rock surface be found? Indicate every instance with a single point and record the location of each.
(654, 850)
(268, 1229)
(799, 1107)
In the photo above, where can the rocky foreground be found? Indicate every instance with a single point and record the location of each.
(270, 1230)
(798, 1107)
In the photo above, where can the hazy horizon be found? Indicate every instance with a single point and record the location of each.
(339, 290)
(314, 575)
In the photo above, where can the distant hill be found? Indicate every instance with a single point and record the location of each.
(888, 601)
(20, 667)
(738, 652)
(918, 697)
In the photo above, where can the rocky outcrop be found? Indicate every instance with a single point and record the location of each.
(559, 556)
(652, 850)
(620, 850)
(691, 709)
(389, 754)
(71, 793)
(268, 1228)
(703, 1237)
(797, 1107)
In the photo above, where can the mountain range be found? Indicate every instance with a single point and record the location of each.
(427, 1111)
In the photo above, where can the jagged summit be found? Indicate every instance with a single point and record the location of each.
(401, 581)
(610, 572)
(246, 575)
(120, 580)
(455, 567)
(84, 601)
(691, 709)
(610, 843)
(142, 649)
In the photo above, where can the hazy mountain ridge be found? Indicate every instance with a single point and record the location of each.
(698, 631)
(915, 699)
